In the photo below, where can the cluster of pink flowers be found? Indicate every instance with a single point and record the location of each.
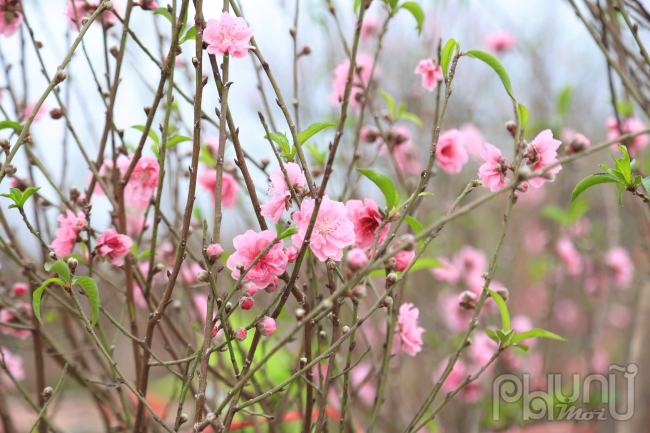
(431, 74)
(332, 231)
(500, 40)
(408, 334)
(370, 28)
(248, 246)
(280, 192)
(10, 19)
(78, 9)
(66, 235)
(364, 63)
(229, 187)
(143, 181)
(627, 126)
(228, 35)
(114, 245)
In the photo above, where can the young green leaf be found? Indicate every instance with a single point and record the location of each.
(503, 309)
(520, 346)
(385, 185)
(191, 34)
(289, 231)
(492, 334)
(178, 139)
(492, 61)
(313, 129)
(626, 167)
(38, 293)
(646, 184)
(412, 117)
(282, 141)
(9, 124)
(533, 333)
(389, 101)
(425, 263)
(447, 54)
(620, 189)
(61, 268)
(90, 287)
(164, 12)
(589, 181)
(417, 13)
(625, 108)
(564, 100)
(151, 134)
(27, 194)
(523, 114)
(416, 226)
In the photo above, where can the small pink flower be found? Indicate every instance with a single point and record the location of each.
(280, 191)
(448, 272)
(135, 224)
(250, 289)
(266, 326)
(66, 235)
(30, 109)
(143, 181)
(246, 303)
(472, 140)
(19, 289)
(116, 246)
(364, 62)
(357, 259)
(239, 334)
(629, 125)
(14, 364)
(403, 259)
(292, 254)
(619, 260)
(9, 22)
(370, 28)
(366, 219)
(570, 257)
(248, 246)
(332, 232)
(214, 250)
(492, 172)
(229, 187)
(451, 156)
(407, 331)
(228, 35)
(12, 316)
(431, 74)
(500, 40)
(542, 153)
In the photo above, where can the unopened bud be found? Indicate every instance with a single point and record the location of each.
(391, 278)
(300, 313)
(52, 255)
(345, 329)
(265, 161)
(246, 303)
(159, 268)
(195, 62)
(228, 307)
(303, 362)
(47, 393)
(72, 263)
(10, 170)
(203, 276)
(214, 252)
(177, 304)
(183, 419)
(467, 300)
(61, 75)
(114, 51)
(360, 291)
(323, 334)
(84, 21)
(240, 266)
(579, 144)
(390, 263)
(56, 113)
(511, 127)
(5, 144)
(239, 334)
(147, 109)
(523, 187)
(210, 417)
(306, 50)
(504, 293)
(387, 302)
(108, 6)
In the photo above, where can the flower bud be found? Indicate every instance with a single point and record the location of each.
(266, 326)
(19, 289)
(56, 113)
(239, 334)
(203, 276)
(360, 291)
(10, 170)
(579, 144)
(214, 252)
(306, 50)
(523, 187)
(84, 21)
(108, 6)
(147, 109)
(52, 255)
(300, 313)
(388, 302)
(240, 266)
(323, 334)
(504, 293)
(61, 75)
(391, 278)
(210, 417)
(345, 329)
(47, 393)
(183, 419)
(177, 304)
(250, 289)
(5, 144)
(159, 268)
(511, 127)
(72, 263)
(214, 331)
(272, 287)
(303, 362)
(390, 263)
(246, 303)
(467, 300)
(228, 307)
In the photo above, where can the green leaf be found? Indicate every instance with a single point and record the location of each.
(564, 100)
(206, 158)
(425, 263)
(178, 139)
(533, 333)
(38, 293)
(523, 114)
(503, 309)
(385, 185)
(164, 12)
(447, 54)
(17, 194)
(191, 34)
(520, 346)
(389, 101)
(90, 287)
(589, 181)
(357, 3)
(27, 194)
(412, 117)
(151, 134)
(620, 189)
(646, 184)
(577, 209)
(416, 226)
(493, 335)
(289, 231)
(282, 141)
(312, 130)
(492, 61)
(626, 167)
(625, 108)
(9, 124)
(61, 268)
(425, 194)
(417, 13)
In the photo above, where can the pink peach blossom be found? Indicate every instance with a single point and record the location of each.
(448, 272)
(19, 289)
(451, 156)
(492, 172)
(266, 326)
(472, 140)
(370, 27)
(214, 249)
(408, 158)
(188, 273)
(138, 296)
(116, 246)
(229, 187)
(431, 74)
(368, 135)
(567, 314)
(143, 181)
(248, 246)
(618, 259)
(482, 349)
(500, 40)
(228, 35)
(472, 261)
(570, 257)
(332, 232)
(9, 21)
(403, 259)
(357, 258)
(408, 334)
(135, 224)
(364, 61)
(365, 388)
(30, 109)
(628, 126)
(280, 191)
(11, 316)
(149, 5)
(542, 153)
(66, 235)
(14, 364)
(292, 254)
(456, 318)
(535, 237)
(366, 219)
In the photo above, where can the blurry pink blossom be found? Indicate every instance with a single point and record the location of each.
(143, 180)
(280, 191)
(11, 316)
(403, 259)
(370, 27)
(482, 349)
(332, 232)
(292, 254)
(456, 318)
(229, 187)
(619, 316)
(472, 140)
(500, 40)
(66, 235)
(492, 172)
(579, 228)
(600, 361)
(135, 224)
(570, 257)
(19, 289)
(365, 388)
(366, 219)
(248, 246)
(14, 364)
(618, 259)
(228, 35)
(535, 237)
(628, 126)
(407, 332)
(364, 62)
(30, 109)
(470, 393)
(357, 258)
(116, 246)
(542, 153)
(78, 9)
(431, 74)
(9, 21)
(451, 156)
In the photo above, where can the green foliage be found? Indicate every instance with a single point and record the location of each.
(178, 139)
(190, 34)
(38, 293)
(5, 124)
(318, 155)
(503, 309)
(492, 61)
(397, 113)
(416, 226)
(151, 134)
(19, 198)
(90, 287)
(447, 54)
(288, 150)
(417, 13)
(566, 217)
(564, 101)
(164, 12)
(312, 130)
(285, 233)
(385, 184)
(523, 114)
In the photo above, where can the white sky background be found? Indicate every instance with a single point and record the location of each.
(554, 50)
